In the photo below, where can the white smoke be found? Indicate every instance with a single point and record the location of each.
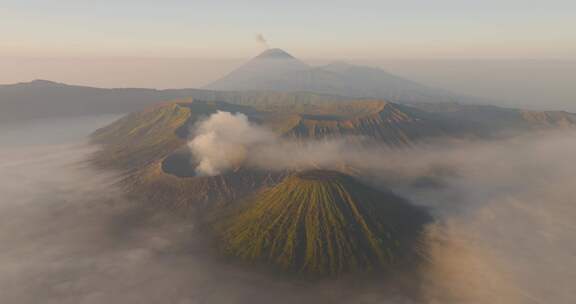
(224, 141)
(227, 141)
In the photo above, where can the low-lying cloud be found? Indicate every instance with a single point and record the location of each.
(69, 235)
(504, 231)
(504, 208)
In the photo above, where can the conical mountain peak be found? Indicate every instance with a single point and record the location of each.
(275, 54)
(259, 71)
(324, 223)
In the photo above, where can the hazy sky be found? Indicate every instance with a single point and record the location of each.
(519, 52)
(356, 29)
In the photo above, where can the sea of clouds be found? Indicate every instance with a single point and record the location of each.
(504, 230)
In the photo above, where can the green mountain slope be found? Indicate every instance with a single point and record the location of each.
(138, 138)
(323, 223)
(143, 137)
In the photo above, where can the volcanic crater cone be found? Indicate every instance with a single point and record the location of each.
(322, 222)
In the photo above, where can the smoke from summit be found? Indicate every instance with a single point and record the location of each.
(262, 41)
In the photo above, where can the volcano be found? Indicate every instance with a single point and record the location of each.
(277, 70)
(321, 222)
(257, 73)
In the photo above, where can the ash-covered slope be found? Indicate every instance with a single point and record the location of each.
(324, 223)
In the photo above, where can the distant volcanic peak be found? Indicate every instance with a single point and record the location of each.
(275, 54)
(260, 72)
(322, 222)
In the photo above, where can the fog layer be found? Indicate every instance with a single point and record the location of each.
(504, 231)
(507, 204)
(538, 84)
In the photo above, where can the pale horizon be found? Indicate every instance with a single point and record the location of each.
(488, 49)
(533, 84)
(327, 29)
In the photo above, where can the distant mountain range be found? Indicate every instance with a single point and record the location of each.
(273, 77)
(276, 70)
(46, 99)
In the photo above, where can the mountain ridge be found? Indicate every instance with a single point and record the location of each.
(150, 146)
(47, 99)
(165, 127)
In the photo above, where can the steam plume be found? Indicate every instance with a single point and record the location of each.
(223, 142)
(226, 141)
(262, 41)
